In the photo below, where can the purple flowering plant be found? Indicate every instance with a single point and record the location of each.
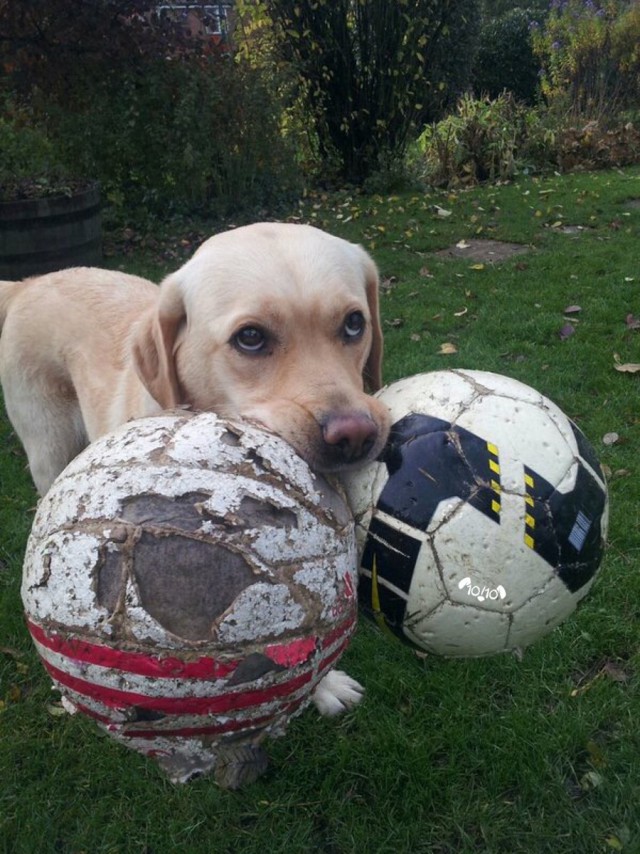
(588, 56)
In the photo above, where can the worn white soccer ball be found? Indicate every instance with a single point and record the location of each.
(484, 522)
(188, 582)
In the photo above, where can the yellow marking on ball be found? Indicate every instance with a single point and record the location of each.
(529, 541)
(494, 466)
(492, 448)
(375, 601)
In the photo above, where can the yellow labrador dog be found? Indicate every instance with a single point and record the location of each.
(274, 323)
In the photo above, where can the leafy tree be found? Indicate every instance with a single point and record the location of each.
(120, 93)
(53, 45)
(370, 72)
(497, 8)
(505, 57)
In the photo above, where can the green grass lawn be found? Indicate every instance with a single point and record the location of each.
(488, 755)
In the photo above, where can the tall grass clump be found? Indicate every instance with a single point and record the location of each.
(484, 139)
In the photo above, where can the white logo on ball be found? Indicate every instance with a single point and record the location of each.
(482, 593)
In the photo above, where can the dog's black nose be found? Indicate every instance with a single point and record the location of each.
(352, 435)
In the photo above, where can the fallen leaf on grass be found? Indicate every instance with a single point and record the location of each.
(460, 313)
(605, 670)
(620, 839)
(620, 473)
(477, 267)
(610, 438)
(590, 780)
(566, 331)
(596, 754)
(632, 322)
(447, 349)
(17, 656)
(462, 244)
(627, 367)
(615, 672)
(56, 710)
(572, 309)
(426, 273)
(13, 653)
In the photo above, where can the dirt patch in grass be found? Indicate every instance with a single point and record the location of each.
(491, 251)
(633, 204)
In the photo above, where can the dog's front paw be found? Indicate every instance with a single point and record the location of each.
(337, 693)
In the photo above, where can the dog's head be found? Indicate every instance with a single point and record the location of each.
(278, 324)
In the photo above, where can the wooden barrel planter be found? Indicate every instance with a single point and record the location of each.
(42, 235)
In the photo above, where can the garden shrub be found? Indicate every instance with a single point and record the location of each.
(30, 165)
(589, 51)
(478, 142)
(595, 147)
(181, 136)
(505, 59)
(367, 73)
(23, 146)
(497, 139)
(165, 122)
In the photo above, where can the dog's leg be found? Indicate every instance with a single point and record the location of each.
(337, 693)
(50, 428)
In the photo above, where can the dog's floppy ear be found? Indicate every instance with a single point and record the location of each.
(373, 366)
(154, 345)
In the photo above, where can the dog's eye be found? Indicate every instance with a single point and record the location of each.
(354, 325)
(250, 339)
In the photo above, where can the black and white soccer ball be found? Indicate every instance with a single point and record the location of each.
(483, 524)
